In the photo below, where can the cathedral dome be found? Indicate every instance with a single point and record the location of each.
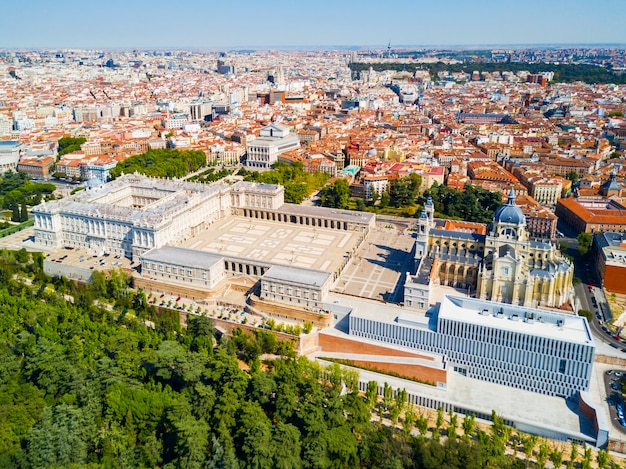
(509, 212)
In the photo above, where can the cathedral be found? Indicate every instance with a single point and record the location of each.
(497, 262)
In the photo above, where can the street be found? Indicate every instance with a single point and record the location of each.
(590, 294)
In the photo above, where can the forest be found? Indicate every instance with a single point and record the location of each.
(402, 193)
(69, 145)
(162, 163)
(93, 376)
(563, 73)
(17, 191)
(298, 183)
(473, 204)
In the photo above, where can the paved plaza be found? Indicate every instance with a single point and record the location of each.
(379, 268)
(277, 243)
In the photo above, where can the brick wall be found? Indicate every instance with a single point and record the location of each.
(418, 372)
(331, 343)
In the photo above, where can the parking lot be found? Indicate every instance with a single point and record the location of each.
(613, 381)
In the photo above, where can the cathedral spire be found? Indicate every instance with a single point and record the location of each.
(511, 200)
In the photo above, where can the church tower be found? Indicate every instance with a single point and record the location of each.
(424, 224)
(504, 271)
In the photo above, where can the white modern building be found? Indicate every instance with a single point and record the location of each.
(274, 139)
(532, 349)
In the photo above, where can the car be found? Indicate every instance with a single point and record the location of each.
(614, 346)
(178, 299)
(614, 386)
(609, 373)
(618, 374)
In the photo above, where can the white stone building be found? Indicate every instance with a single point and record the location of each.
(183, 266)
(301, 287)
(274, 139)
(134, 213)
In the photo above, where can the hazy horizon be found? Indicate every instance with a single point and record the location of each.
(327, 25)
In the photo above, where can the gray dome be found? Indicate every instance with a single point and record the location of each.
(509, 212)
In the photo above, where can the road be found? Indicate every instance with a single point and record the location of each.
(590, 296)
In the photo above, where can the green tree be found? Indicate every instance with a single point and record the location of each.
(254, 437)
(222, 458)
(439, 421)
(469, 424)
(166, 163)
(422, 424)
(572, 176)
(404, 190)
(584, 243)
(15, 213)
(190, 437)
(453, 424)
(543, 453)
(69, 145)
(556, 457)
(371, 394)
(602, 458)
(385, 199)
(337, 195)
(23, 212)
(387, 396)
(573, 455)
(286, 446)
(57, 440)
(529, 445)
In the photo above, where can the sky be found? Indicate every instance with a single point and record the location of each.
(231, 24)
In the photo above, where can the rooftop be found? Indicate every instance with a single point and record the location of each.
(536, 322)
(308, 277)
(178, 255)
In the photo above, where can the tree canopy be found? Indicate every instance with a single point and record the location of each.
(298, 183)
(164, 163)
(473, 204)
(70, 144)
(336, 195)
(17, 191)
(83, 386)
(567, 73)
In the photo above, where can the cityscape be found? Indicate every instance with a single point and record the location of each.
(227, 253)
